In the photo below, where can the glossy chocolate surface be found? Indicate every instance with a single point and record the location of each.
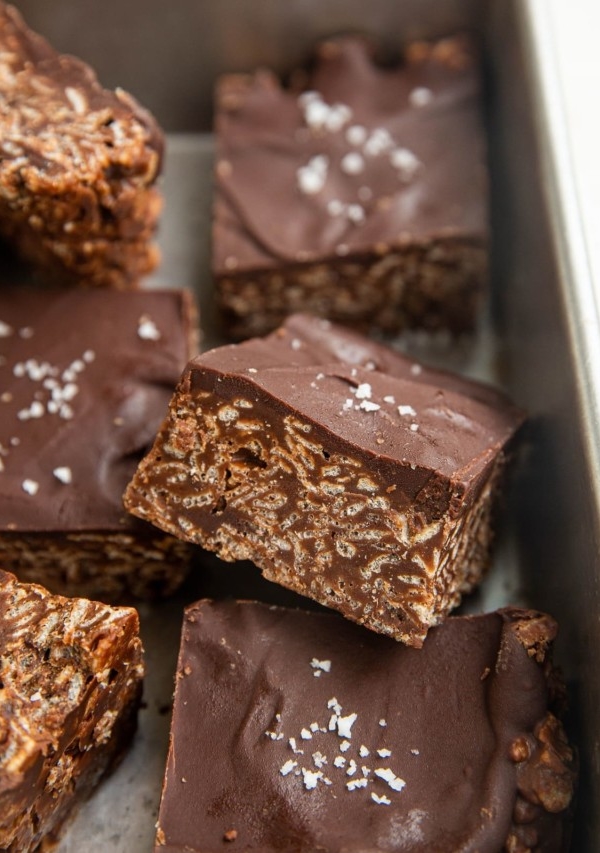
(368, 158)
(390, 408)
(299, 731)
(85, 378)
(346, 471)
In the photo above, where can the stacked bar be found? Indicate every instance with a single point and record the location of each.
(78, 166)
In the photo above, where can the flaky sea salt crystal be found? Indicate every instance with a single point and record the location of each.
(406, 411)
(363, 391)
(64, 474)
(147, 329)
(395, 783)
(30, 486)
(353, 784)
(382, 801)
(420, 96)
(378, 142)
(311, 778)
(355, 213)
(352, 163)
(335, 207)
(356, 134)
(319, 759)
(344, 725)
(311, 178)
(324, 665)
(405, 162)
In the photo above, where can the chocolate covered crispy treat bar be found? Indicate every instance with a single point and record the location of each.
(85, 378)
(299, 731)
(78, 165)
(70, 684)
(344, 470)
(358, 193)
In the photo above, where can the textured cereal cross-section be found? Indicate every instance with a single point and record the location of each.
(345, 471)
(78, 164)
(70, 683)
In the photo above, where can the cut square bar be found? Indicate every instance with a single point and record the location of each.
(299, 731)
(78, 166)
(358, 193)
(85, 378)
(344, 470)
(70, 684)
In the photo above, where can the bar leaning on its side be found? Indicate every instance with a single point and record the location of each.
(344, 470)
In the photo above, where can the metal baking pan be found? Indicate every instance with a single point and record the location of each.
(538, 340)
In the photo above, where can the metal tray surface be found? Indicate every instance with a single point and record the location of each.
(534, 340)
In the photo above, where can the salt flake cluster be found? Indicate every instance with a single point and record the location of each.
(57, 389)
(337, 757)
(363, 393)
(365, 144)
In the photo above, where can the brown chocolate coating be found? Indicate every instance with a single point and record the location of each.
(314, 368)
(298, 731)
(78, 165)
(344, 470)
(353, 164)
(260, 138)
(85, 377)
(70, 684)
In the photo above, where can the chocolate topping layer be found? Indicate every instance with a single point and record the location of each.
(298, 731)
(85, 378)
(363, 155)
(344, 470)
(339, 381)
